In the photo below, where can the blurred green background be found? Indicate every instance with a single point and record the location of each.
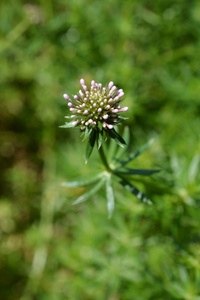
(50, 249)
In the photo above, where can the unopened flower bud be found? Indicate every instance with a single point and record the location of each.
(66, 97)
(82, 82)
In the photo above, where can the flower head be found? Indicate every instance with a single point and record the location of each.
(96, 107)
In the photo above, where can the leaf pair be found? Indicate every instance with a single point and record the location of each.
(98, 180)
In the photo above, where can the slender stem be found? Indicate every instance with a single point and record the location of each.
(104, 160)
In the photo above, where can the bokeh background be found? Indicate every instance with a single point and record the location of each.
(50, 249)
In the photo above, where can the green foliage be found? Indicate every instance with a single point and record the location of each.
(51, 249)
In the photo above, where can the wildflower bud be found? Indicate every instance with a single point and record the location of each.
(110, 85)
(112, 90)
(82, 82)
(121, 94)
(81, 93)
(66, 97)
(124, 108)
(94, 105)
(110, 126)
(74, 123)
(119, 91)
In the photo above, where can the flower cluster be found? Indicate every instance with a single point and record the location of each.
(96, 106)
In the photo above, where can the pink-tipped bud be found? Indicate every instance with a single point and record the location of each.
(108, 106)
(110, 126)
(125, 108)
(66, 97)
(119, 91)
(74, 123)
(94, 122)
(116, 98)
(90, 121)
(93, 83)
(94, 105)
(86, 112)
(115, 110)
(81, 93)
(83, 105)
(82, 82)
(110, 100)
(110, 85)
(70, 104)
(100, 85)
(112, 90)
(99, 109)
(85, 87)
(105, 117)
(72, 109)
(75, 97)
(121, 94)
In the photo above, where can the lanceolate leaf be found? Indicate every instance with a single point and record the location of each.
(136, 153)
(87, 133)
(126, 137)
(90, 144)
(137, 171)
(110, 196)
(86, 180)
(91, 192)
(130, 187)
(67, 125)
(114, 135)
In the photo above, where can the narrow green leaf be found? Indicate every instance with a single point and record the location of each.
(137, 171)
(100, 139)
(110, 196)
(130, 187)
(89, 193)
(90, 144)
(67, 125)
(194, 168)
(87, 133)
(126, 137)
(136, 153)
(118, 139)
(83, 181)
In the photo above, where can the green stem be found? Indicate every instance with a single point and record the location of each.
(104, 160)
